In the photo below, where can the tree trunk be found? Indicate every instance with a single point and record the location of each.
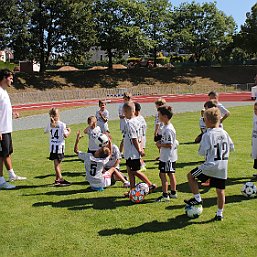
(110, 55)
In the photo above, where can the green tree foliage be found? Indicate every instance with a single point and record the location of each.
(247, 37)
(202, 29)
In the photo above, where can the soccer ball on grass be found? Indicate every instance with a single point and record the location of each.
(136, 195)
(193, 211)
(249, 190)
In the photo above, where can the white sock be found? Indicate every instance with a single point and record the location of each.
(198, 197)
(219, 212)
(2, 180)
(11, 172)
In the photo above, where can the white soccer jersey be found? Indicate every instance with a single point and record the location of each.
(114, 157)
(100, 122)
(157, 122)
(202, 125)
(94, 169)
(122, 120)
(222, 109)
(131, 130)
(92, 135)
(168, 137)
(5, 112)
(215, 145)
(142, 130)
(57, 139)
(254, 137)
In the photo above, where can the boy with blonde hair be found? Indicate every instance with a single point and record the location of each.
(215, 145)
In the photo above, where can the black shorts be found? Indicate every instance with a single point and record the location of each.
(56, 156)
(214, 182)
(6, 147)
(133, 165)
(167, 167)
(255, 164)
(91, 151)
(157, 138)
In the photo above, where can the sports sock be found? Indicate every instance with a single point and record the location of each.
(165, 194)
(198, 197)
(2, 180)
(11, 172)
(220, 212)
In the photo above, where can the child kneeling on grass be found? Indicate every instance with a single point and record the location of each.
(97, 177)
(215, 145)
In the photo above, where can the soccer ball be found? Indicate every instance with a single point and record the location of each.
(193, 211)
(249, 190)
(143, 187)
(136, 195)
(101, 140)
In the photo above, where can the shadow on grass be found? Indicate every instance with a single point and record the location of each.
(188, 143)
(154, 226)
(98, 203)
(65, 174)
(184, 164)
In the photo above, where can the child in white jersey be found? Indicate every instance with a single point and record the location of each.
(102, 116)
(92, 131)
(142, 131)
(215, 146)
(96, 175)
(133, 150)
(254, 140)
(58, 132)
(168, 154)
(157, 123)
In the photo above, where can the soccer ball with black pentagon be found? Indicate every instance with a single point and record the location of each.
(193, 211)
(249, 190)
(101, 140)
(136, 195)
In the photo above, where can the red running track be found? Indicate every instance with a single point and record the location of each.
(223, 97)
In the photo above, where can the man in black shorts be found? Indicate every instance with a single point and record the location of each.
(6, 148)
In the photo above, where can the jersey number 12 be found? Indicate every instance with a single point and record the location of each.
(221, 151)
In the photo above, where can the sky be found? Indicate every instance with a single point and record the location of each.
(236, 8)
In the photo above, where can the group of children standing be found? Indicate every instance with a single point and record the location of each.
(102, 163)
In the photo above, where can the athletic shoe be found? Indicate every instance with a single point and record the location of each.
(126, 184)
(163, 199)
(193, 201)
(218, 218)
(7, 186)
(62, 183)
(175, 196)
(126, 194)
(152, 188)
(16, 178)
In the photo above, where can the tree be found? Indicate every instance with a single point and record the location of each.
(247, 37)
(118, 26)
(201, 29)
(156, 24)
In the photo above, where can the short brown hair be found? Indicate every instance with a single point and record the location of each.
(104, 152)
(5, 73)
(210, 104)
(166, 110)
(160, 102)
(130, 106)
(127, 95)
(90, 119)
(213, 93)
(212, 115)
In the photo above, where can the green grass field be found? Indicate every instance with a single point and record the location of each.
(38, 219)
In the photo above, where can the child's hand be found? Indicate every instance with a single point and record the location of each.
(158, 144)
(142, 152)
(79, 135)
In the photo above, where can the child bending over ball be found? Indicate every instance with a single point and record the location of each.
(133, 150)
(96, 175)
(168, 154)
(215, 145)
(92, 131)
(58, 132)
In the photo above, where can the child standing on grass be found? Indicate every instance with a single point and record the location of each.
(92, 131)
(96, 175)
(157, 123)
(102, 116)
(254, 140)
(168, 154)
(142, 131)
(133, 150)
(215, 146)
(58, 132)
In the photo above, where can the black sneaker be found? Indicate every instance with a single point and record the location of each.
(163, 199)
(152, 188)
(218, 218)
(193, 201)
(62, 182)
